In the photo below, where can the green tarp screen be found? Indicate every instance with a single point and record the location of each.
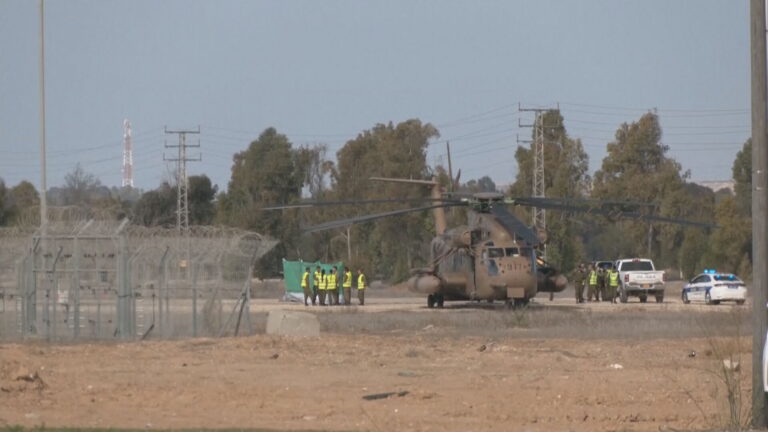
(292, 271)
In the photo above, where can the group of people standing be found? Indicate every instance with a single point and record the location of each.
(324, 287)
(601, 283)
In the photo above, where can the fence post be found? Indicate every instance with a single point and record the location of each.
(194, 300)
(163, 269)
(75, 291)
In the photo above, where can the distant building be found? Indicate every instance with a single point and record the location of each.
(717, 185)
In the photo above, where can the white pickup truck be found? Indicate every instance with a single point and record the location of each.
(638, 277)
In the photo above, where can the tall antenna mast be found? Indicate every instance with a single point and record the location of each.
(127, 154)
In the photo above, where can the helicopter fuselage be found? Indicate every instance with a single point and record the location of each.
(482, 261)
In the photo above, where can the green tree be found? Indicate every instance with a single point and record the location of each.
(81, 188)
(158, 207)
(692, 251)
(730, 245)
(23, 204)
(742, 177)
(270, 171)
(4, 210)
(566, 168)
(637, 168)
(389, 247)
(201, 196)
(483, 184)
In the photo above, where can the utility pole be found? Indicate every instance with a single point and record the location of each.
(450, 166)
(759, 214)
(43, 181)
(539, 185)
(127, 155)
(182, 182)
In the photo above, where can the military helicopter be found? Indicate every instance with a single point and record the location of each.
(495, 256)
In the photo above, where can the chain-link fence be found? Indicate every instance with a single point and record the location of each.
(103, 279)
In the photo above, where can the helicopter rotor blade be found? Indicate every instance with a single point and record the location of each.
(584, 201)
(514, 225)
(311, 204)
(543, 203)
(355, 220)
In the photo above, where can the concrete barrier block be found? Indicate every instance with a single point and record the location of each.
(290, 323)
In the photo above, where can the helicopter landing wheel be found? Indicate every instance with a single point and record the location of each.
(439, 299)
(431, 301)
(516, 303)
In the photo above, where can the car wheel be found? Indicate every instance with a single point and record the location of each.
(707, 298)
(643, 298)
(739, 302)
(660, 298)
(623, 296)
(430, 301)
(685, 298)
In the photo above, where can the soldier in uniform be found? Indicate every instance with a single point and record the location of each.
(360, 287)
(602, 279)
(592, 283)
(613, 284)
(579, 276)
(321, 287)
(347, 285)
(332, 288)
(316, 284)
(306, 288)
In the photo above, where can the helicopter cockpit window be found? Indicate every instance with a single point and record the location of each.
(495, 252)
(512, 252)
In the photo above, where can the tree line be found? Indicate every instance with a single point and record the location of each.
(272, 170)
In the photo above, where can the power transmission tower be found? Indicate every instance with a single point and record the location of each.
(182, 182)
(539, 185)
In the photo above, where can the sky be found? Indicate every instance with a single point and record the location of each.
(324, 71)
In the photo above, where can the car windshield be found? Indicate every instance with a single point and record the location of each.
(513, 252)
(605, 265)
(727, 278)
(636, 266)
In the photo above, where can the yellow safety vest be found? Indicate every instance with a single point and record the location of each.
(331, 282)
(317, 279)
(323, 281)
(614, 278)
(305, 279)
(348, 279)
(593, 277)
(361, 281)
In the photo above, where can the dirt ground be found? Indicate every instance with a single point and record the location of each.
(469, 367)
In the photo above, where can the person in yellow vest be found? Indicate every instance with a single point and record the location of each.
(347, 285)
(306, 288)
(316, 284)
(592, 282)
(332, 288)
(321, 287)
(360, 287)
(613, 284)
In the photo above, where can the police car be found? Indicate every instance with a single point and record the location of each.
(712, 287)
